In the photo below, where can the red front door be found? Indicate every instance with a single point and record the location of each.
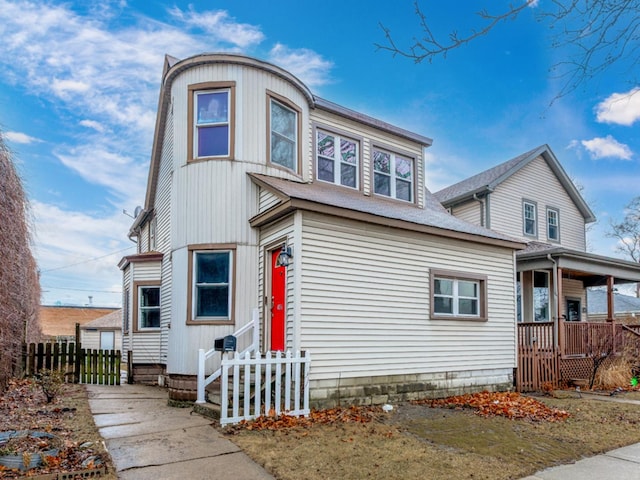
(278, 298)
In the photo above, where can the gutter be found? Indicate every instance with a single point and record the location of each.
(556, 322)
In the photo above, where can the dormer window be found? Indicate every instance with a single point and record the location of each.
(283, 134)
(211, 126)
(393, 175)
(336, 159)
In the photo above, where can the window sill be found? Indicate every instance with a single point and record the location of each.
(210, 322)
(457, 318)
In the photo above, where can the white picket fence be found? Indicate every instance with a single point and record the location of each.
(270, 394)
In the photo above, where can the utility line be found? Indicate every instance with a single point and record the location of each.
(86, 261)
(81, 289)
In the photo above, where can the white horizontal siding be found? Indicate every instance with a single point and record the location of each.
(267, 200)
(146, 271)
(470, 212)
(536, 182)
(365, 302)
(146, 348)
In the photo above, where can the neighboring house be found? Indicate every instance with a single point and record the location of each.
(393, 296)
(103, 333)
(626, 307)
(59, 322)
(532, 198)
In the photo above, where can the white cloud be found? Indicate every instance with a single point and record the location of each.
(607, 147)
(305, 64)
(97, 126)
(19, 137)
(620, 108)
(221, 26)
(533, 3)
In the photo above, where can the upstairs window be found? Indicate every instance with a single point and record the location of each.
(529, 216)
(393, 175)
(148, 307)
(211, 120)
(283, 135)
(336, 159)
(553, 225)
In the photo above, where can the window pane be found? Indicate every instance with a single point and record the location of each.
(348, 151)
(213, 107)
(150, 297)
(403, 190)
(404, 168)
(382, 184)
(212, 267)
(150, 318)
(213, 141)
(283, 152)
(442, 305)
(283, 121)
(381, 162)
(326, 145)
(348, 175)
(467, 289)
(325, 169)
(443, 287)
(212, 301)
(467, 306)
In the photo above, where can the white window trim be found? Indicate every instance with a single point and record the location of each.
(338, 161)
(194, 290)
(141, 309)
(197, 126)
(526, 203)
(480, 280)
(392, 174)
(557, 224)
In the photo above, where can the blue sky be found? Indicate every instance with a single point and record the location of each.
(79, 86)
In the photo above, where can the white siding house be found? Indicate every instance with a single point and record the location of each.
(393, 296)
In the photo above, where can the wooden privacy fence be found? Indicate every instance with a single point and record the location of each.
(78, 364)
(537, 357)
(259, 379)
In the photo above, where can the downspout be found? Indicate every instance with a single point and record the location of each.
(556, 321)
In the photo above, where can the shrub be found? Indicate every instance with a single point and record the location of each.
(51, 382)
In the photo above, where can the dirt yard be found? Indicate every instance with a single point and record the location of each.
(417, 442)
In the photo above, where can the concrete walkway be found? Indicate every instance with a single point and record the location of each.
(149, 440)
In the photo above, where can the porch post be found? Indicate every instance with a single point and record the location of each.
(559, 302)
(610, 310)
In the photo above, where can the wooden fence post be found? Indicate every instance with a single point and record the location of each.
(78, 359)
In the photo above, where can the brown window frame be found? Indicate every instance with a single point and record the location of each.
(206, 86)
(414, 173)
(210, 247)
(272, 96)
(457, 276)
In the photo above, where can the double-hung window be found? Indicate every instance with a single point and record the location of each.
(553, 225)
(283, 135)
(456, 295)
(211, 285)
(211, 118)
(530, 218)
(148, 307)
(393, 175)
(336, 159)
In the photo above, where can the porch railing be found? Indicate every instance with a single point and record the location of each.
(203, 380)
(589, 338)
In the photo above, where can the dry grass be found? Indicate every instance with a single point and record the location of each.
(417, 442)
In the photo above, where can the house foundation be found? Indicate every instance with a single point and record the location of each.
(183, 388)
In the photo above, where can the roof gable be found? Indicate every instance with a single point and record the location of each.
(487, 181)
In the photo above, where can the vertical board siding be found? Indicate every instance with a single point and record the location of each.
(365, 302)
(537, 182)
(127, 286)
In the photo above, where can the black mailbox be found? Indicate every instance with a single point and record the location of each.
(225, 344)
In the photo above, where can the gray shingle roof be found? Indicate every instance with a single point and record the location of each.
(433, 215)
(488, 180)
(111, 320)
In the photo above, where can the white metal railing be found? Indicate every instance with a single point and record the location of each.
(203, 356)
(265, 375)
